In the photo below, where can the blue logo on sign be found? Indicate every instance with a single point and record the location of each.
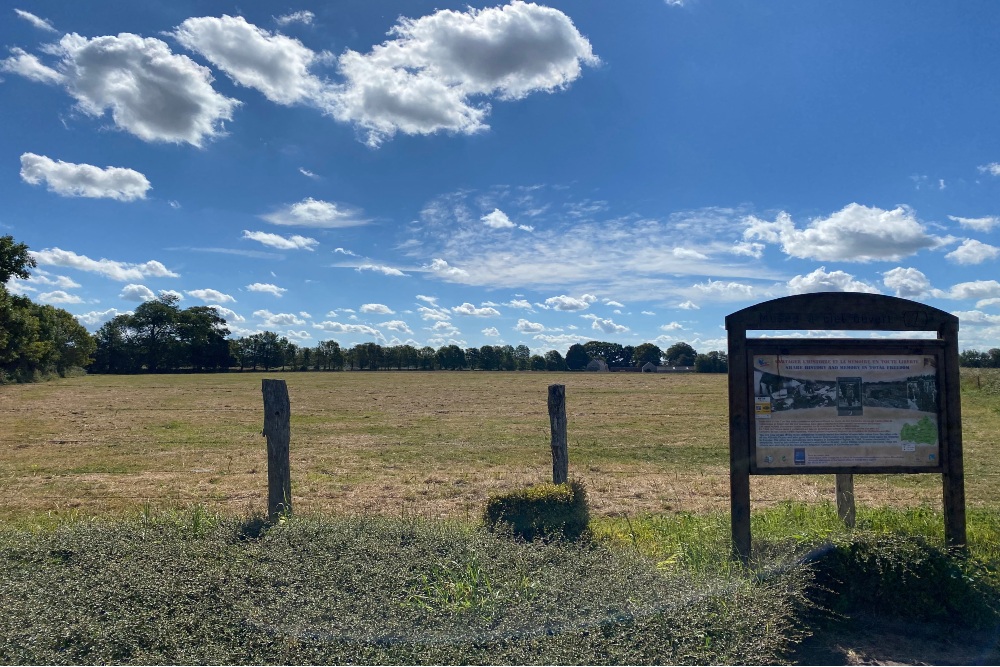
(800, 457)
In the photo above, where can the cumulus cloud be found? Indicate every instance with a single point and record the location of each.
(907, 283)
(441, 268)
(43, 277)
(834, 281)
(993, 168)
(95, 317)
(151, 92)
(267, 288)
(491, 332)
(673, 326)
(227, 314)
(973, 252)
(722, 290)
(976, 317)
(856, 233)
(976, 289)
(134, 292)
(294, 242)
(122, 271)
(428, 313)
(397, 325)
(271, 320)
(30, 67)
(338, 327)
(469, 309)
(519, 303)
(378, 268)
(613, 303)
(83, 180)
(497, 220)
(527, 327)
(606, 325)
(38, 22)
(59, 296)
(305, 17)
(378, 308)
(315, 213)
(689, 305)
(979, 224)
(210, 295)
(421, 81)
(276, 65)
(569, 303)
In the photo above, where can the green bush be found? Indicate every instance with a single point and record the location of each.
(904, 577)
(546, 510)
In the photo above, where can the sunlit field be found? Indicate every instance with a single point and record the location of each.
(395, 443)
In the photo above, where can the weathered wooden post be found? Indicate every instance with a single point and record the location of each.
(845, 499)
(277, 430)
(557, 419)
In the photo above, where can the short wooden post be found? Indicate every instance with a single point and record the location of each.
(557, 418)
(845, 499)
(277, 430)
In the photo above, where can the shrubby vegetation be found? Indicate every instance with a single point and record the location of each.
(977, 359)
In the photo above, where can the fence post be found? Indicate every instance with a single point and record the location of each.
(277, 430)
(845, 499)
(557, 418)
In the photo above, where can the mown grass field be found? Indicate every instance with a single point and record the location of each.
(130, 530)
(391, 443)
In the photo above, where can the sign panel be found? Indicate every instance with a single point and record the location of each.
(816, 411)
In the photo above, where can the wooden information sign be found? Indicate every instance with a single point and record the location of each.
(844, 405)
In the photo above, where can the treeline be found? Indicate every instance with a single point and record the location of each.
(35, 340)
(977, 359)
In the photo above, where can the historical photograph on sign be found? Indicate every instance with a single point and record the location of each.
(845, 411)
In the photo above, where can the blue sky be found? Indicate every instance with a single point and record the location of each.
(438, 173)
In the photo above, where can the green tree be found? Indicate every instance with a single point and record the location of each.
(522, 357)
(577, 357)
(15, 260)
(680, 354)
(537, 362)
(713, 362)
(554, 361)
(647, 353)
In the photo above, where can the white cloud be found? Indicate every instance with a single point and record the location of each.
(210, 295)
(569, 303)
(725, 291)
(315, 213)
(976, 318)
(95, 317)
(294, 242)
(973, 252)
(151, 92)
(907, 283)
(30, 67)
(83, 180)
(606, 326)
(340, 328)
(308, 174)
(342, 251)
(271, 320)
(378, 268)
(276, 65)
(442, 268)
(43, 277)
(561, 341)
(172, 293)
(59, 296)
(433, 313)
(519, 303)
(689, 305)
(497, 220)
(755, 250)
(612, 302)
(398, 326)
(491, 332)
(985, 303)
(992, 168)
(110, 269)
(673, 326)
(469, 309)
(976, 289)
(421, 81)
(133, 292)
(267, 288)
(305, 17)
(227, 314)
(834, 281)
(380, 309)
(38, 22)
(856, 233)
(979, 224)
(526, 327)
(647, 312)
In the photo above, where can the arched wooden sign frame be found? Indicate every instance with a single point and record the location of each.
(778, 374)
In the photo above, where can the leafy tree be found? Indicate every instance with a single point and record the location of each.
(155, 323)
(450, 357)
(472, 358)
(680, 354)
(713, 362)
(577, 357)
(522, 357)
(554, 361)
(489, 358)
(537, 362)
(15, 260)
(647, 353)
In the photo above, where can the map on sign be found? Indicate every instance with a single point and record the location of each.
(845, 411)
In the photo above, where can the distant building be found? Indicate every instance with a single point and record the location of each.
(597, 366)
(649, 367)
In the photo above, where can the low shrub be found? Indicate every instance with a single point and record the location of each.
(543, 511)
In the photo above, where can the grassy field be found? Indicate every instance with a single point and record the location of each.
(397, 443)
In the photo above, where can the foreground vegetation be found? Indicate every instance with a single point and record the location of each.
(187, 587)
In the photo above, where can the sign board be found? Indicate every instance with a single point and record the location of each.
(816, 411)
(844, 406)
